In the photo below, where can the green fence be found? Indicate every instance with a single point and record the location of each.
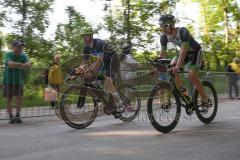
(34, 104)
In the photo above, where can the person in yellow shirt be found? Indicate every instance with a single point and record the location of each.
(233, 76)
(55, 78)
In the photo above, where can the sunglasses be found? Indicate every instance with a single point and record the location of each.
(165, 25)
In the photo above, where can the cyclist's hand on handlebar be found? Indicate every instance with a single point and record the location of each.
(174, 70)
(79, 71)
(153, 72)
(88, 74)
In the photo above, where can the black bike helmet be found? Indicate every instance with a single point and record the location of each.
(167, 19)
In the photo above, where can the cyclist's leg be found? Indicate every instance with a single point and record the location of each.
(177, 79)
(109, 74)
(108, 83)
(193, 76)
(193, 67)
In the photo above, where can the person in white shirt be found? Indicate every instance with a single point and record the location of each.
(128, 64)
(128, 67)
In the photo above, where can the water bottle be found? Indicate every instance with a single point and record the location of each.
(184, 91)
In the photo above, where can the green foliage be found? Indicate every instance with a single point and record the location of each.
(32, 16)
(2, 14)
(68, 39)
(134, 22)
(1, 45)
(29, 24)
(220, 30)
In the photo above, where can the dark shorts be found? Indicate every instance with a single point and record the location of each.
(111, 67)
(12, 90)
(194, 58)
(192, 61)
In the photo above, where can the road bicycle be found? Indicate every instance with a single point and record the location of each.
(79, 105)
(165, 101)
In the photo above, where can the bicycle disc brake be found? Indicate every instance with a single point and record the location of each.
(166, 107)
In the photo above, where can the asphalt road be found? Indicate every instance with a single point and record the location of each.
(47, 138)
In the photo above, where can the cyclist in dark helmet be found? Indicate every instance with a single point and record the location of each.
(106, 61)
(190, 55)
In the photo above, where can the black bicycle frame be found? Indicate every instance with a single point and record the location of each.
(96, 92)
(188, 100)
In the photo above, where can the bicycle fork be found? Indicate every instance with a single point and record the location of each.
(81, 98)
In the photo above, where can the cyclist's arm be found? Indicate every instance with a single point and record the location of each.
(184, 35)
(96, 65)
(182, 55)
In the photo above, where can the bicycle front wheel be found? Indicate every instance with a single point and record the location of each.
(206, 114)
(164, 109)
(77, 107)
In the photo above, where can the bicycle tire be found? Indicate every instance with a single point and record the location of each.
(65, 115)
(128, 116)
(199, 113)
(153, 118)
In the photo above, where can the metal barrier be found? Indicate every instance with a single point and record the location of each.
(33, 103)
(35, 106)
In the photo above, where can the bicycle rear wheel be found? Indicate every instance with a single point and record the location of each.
(206, 114)
(78, 111)
(164, 109)
(131, 102)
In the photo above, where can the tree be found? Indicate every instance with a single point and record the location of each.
(2, 14)
(1, 45)
(135, 21)
(219, 28)
(28, 20)
(68, 38)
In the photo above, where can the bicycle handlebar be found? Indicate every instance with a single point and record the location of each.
(163, 64)
(160, 63)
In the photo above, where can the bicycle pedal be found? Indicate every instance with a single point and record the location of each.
(117, 112)
(204, 110)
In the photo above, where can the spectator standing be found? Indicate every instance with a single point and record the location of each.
(128, 64)
(55, 78)
(233, 70)
(15, 62)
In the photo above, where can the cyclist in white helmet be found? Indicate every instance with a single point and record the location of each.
(189, 57)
